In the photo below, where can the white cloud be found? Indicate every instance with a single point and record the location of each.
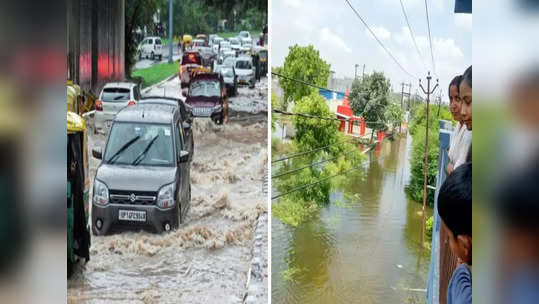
(381, 32)
(332, 40)
(295, 3)
(463, 21)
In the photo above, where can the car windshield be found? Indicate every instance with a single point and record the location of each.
(140, 144)
(206, 88)
(243, 65)
(115, 94)
(157, 41)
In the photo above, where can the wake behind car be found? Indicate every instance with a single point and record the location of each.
(206, 97)
(143, 181)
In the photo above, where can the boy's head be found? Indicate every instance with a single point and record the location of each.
(455, 209)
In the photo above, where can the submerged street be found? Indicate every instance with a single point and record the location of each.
(364, 247)
(210, 258)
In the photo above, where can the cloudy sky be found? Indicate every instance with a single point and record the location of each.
(334, 29)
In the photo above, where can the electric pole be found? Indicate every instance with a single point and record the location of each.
(355, 73)
(363, 75)
(427, 92)
(170, 26)
(332, 79)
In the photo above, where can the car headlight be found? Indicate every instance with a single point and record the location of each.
(165, 197)
(101, 193)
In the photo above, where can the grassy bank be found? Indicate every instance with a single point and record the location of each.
(254, 34)
(156, 73)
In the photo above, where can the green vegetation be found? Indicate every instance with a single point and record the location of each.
(428, 227)
(138, 13)
(156, 73)
(369, 97)
(303, 63)
(417, 130)
(254, 34)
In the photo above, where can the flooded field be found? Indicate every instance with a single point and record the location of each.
(208, 259)
(364, 247)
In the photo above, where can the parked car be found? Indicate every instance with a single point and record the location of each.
(143, 181)
(191, 61)
(235, 43)
(244, 71)
(229, 78)
(78, 234)
(113, 97)
(206, 97)
(208, 56)
(185, 115)
(150, 47)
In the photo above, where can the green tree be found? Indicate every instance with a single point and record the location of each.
(394, 114)
(369, 98)
(138, 13)
(302, 63)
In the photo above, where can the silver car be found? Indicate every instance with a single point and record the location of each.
(244, 71)
(114, 97)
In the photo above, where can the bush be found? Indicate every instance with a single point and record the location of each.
(428, 227)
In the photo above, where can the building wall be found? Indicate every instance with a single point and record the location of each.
(96, 42)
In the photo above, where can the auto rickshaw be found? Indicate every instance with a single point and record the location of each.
(79, 101)
(202, 37)
(187, 41)
(78, 184)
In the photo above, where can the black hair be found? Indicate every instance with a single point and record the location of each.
(455, 201)
(454, 82)
(467, 76)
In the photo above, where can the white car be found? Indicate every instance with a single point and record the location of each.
(245, 71)
(150, 47)
(114, 97)
(244, 34)
(235, 43)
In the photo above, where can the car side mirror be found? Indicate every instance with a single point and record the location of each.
(186, 125)
(184, 156)
(97, 153)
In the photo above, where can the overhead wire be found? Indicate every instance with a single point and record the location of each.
(379, 41)
(412, 35)
(430, 39)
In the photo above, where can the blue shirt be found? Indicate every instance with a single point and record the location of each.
(460, 286)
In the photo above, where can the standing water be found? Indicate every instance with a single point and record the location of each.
(364, 247)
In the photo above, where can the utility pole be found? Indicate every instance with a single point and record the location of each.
(363, 75)
(355, 74)
(427, 92)
(409, 85)
(170, 26)
(332, 79)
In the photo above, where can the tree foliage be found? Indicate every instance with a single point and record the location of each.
(138, 13)
(369, 98)
(417, 162)
(303, 63)
(394, 114)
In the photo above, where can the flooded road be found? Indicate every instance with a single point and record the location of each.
(208, 259)
(364, 247)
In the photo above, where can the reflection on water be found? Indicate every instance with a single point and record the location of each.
(364, 247)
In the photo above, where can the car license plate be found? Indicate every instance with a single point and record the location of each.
(132, 215)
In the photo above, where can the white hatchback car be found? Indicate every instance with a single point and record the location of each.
(150, 47)
(114, 97)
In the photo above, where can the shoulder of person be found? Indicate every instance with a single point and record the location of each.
(460, 286)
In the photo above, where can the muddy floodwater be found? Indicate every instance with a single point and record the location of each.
(364, 247)
(209, 258)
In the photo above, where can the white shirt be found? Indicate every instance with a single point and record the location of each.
(461, 139)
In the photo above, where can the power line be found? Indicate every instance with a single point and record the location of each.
(380, 42)
(412, 35)
(290, 156)
(305, 82)
(310, 165)
(430, 39)
(321, 180)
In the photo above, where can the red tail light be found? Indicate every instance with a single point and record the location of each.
(131, 103)
(98, 105)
